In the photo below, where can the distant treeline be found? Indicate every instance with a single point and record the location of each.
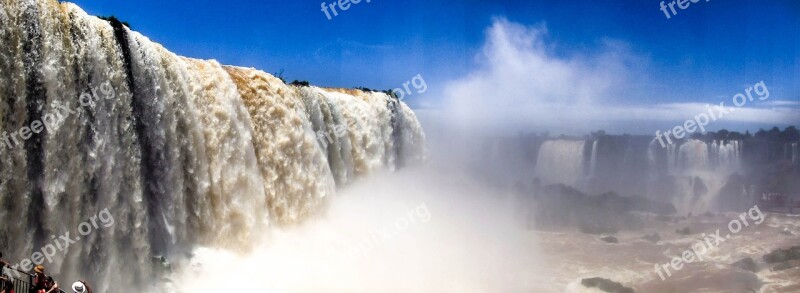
(114, 18)
(774, 134)
(365, 89)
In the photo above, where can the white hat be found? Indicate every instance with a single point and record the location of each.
(78, 287)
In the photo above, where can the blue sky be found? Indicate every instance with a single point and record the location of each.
(705, 53)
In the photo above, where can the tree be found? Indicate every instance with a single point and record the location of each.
(774, 133)
(279, 75)
(597, 134)
(791, 134)
(114, 18)
(364, 89)
(761, 133)
(300, 83)
(723, 134)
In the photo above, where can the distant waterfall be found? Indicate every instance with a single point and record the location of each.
(561, 161)
(689, 173)
(697, 156)
(187, 152)
(653, 168)
(593, 159)
(791, 152)
(700, 170)
(693, 156)
(672, 158)
(727, 156)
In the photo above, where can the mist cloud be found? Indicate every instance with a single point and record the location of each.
(525, 81)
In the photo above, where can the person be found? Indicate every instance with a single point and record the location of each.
(39, 279)
(81, 287)
(6, 285)
(43, 283)
(3, 264)
(52, 285)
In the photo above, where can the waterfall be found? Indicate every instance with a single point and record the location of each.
(593, 159)
(693, 156)
(728, 156)
(700, 170)
(689, 173)
(561, 161)
(653, 170)
(672, 159)
(182, 152)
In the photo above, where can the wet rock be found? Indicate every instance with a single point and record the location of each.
(655, 238)
(747, 264)
(559, 206)
(606, 285)
(596, 229)
(668, 219)
(709, 279)
(783, 255)
(610, 239)
(783, 266)
(161, 268)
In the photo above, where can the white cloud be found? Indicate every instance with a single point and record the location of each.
(781, 103)
(679, 112)
(522, 82)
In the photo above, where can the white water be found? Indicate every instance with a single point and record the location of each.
(699, 169)
(711, 163)
(187, 152)
(593, 159)
(561, 161)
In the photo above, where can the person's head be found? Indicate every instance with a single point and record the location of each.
(39, 269)
(78, 287)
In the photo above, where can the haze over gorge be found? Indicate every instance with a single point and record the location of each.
(136, 169)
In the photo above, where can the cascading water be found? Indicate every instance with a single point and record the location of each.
(593, 159)
(186, 152)
(693, 156)
(700, 171)
(561, 161)
(672, 157)
(689, 173)
(727, 156)
(792, 152)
